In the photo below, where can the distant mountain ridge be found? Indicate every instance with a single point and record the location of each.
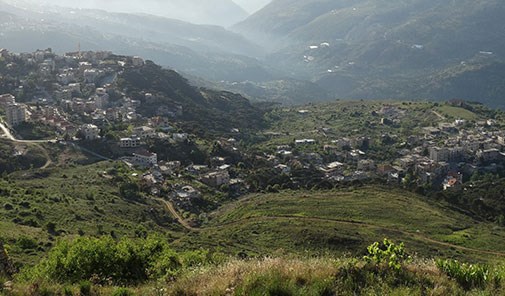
(356, 44)
(216, 12)
(203, 50)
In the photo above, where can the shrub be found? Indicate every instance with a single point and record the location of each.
(467, 275)
(85, 288)
(67, 291)
(387, 253)
(122, 292)
(26, 243)
(121, 262)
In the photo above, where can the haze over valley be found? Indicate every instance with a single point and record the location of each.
(345, 49)
(233, 147)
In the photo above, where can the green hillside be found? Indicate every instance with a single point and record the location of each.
(301, 243)
(346, 221)
(40, 206)
(203, 110)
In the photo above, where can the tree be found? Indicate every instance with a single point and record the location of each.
(130, 190)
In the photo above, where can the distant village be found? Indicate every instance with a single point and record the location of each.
(438, 157)
(83, 97)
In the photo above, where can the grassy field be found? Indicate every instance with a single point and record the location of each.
(457, 113)
(346, 221)
(332, 121)
(335, 120)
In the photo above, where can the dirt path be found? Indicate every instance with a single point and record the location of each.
(171, 209)
(46, 155)
(416, 236)
(82, 149)
(442, 117)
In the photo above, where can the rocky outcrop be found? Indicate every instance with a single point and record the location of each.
(6, 266)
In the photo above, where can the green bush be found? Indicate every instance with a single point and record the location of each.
(85, 288)
(122, 292)
(387, 253)
(125, 261)
(26, 243)
(67, 291)
(467, 275)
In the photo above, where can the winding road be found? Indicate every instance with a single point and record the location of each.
(8, 135)
(171, 209)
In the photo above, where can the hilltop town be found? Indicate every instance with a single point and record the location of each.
(81, 99)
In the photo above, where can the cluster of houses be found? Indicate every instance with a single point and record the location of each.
(438, 156)
(83, 97)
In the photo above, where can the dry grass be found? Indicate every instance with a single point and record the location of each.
(224, 280)
(291, 276)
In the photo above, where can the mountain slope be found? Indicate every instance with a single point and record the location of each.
(252, 6)
(350, 44)
(208, 51)
(204, 111)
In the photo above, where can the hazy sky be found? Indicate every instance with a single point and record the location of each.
(219, 12)
(251, 5)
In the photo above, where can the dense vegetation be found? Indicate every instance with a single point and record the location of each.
(204, 111)
(386, 268)
(107, 261)
(19, 157)
(94, 200)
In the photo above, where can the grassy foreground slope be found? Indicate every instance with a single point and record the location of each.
(346, 221)
(40, 206)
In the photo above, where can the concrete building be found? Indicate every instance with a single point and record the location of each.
(180, 137)
(129, 142)
(144, 132)
(216, 179)
(446, 154)
(137, 61)
(15, 114)
(91, 75)
(90, 132)
(145, 158)
(6, 100)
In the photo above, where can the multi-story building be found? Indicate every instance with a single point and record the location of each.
(216, 179)
(144, 132)
(15, 114)
(6, 100)
(129, 142)
(90, 132)
(145, 158)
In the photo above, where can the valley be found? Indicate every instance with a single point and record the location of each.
(278, 147)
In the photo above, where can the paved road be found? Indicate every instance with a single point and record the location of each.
(8, 135)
